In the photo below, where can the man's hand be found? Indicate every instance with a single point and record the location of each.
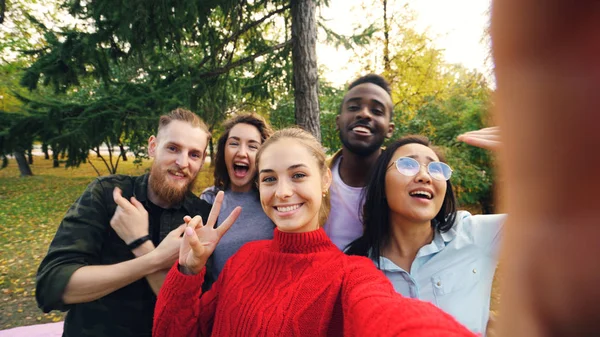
(199, 240)
(168, 250)
(130, 220)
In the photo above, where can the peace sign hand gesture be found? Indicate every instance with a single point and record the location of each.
(199, 240)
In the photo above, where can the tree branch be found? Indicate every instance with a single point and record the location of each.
(222, 70)
(94, 167)
(244, 29)
(97, 150)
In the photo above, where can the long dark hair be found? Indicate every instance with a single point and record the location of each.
(222, 181)
(376, 210)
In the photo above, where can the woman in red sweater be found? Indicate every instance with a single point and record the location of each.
(299, 283)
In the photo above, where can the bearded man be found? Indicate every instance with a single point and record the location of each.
(114, 246)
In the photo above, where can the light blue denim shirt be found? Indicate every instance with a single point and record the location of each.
(455, 271)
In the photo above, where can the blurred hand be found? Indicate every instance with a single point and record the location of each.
(486, 138)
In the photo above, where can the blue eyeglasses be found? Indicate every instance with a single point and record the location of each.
(410, 167)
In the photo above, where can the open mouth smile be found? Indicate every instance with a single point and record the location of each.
(288, 208)
(421, 194)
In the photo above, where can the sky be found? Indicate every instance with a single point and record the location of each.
(456, 26)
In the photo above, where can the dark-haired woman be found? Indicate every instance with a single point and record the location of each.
(235, 174)
(415, 235)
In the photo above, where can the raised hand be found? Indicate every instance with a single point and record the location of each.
(487, 138)
(199, 240)
(130, 220)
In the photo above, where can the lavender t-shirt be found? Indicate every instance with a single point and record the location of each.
(344, 224)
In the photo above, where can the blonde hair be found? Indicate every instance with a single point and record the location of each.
(314, 148)
(183, 115)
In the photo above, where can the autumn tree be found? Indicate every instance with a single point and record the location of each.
(431, 96)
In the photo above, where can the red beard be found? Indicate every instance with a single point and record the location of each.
(168, 192)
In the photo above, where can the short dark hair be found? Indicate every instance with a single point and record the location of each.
(221, 175)
(379, 81)
(376, 210)
(374, 79)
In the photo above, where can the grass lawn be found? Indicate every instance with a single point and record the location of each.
(30, 211)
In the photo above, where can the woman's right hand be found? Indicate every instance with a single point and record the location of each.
(486, 138)
(199, 240)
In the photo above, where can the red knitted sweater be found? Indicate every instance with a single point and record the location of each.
(295, 285)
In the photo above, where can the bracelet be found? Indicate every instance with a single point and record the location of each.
(138, 242)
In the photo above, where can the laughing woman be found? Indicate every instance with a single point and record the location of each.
(424, 246)
(235, 174)
(297, 284)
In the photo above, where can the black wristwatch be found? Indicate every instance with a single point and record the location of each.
(138, 242)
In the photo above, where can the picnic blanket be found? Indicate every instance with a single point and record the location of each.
(38, 330)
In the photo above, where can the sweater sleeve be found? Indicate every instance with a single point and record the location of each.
(371, 307)
(181, 307)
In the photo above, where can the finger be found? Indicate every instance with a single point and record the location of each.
(179, 230)
(480, 136)
(224, 227)
(491, 129)
(494, 130)
(194, 242)
(187, 219)
(215, 210)
(482, 143)
(137, 204)
(119, 200)
(195, 222)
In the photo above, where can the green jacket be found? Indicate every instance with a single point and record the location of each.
(85, 237)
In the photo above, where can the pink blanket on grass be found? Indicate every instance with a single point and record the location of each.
(39, 330)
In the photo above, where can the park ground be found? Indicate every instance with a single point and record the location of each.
(31, 209)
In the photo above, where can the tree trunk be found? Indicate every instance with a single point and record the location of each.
(30, 156)
(487, 203)
(2, 13)
(23, 165)
(45, 150)
(304, 57)
(123, 152)
(211, 147)
(386, 41)
(55, 162)
(4, 161)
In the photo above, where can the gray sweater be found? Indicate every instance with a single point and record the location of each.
(252, 224)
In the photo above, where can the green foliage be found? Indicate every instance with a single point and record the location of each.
(330, 98)
(330, 101)
(127, 63)
(441, 120)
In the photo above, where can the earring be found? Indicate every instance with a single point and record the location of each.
(324, 194)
